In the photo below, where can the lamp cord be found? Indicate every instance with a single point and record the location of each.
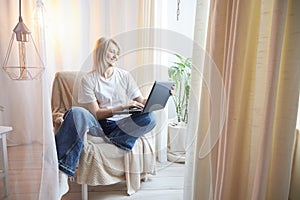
(178, 9)
(20, 11)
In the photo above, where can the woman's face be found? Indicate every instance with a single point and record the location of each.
(111, 55)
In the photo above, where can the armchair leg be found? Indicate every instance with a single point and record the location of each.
(84, 192)
(145, 178)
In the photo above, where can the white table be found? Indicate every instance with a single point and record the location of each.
(4, 169)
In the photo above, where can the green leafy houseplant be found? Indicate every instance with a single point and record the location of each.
(180, 73)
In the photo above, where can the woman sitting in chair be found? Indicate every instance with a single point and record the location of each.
(103, 91)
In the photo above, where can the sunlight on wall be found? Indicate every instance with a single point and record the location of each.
(64, 31)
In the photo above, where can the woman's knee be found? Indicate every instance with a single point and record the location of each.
(78, 110)
(80, 113)
(145, 119)
(152, 118)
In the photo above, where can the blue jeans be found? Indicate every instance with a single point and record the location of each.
(77, 121)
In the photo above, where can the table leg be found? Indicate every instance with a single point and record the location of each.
(5, 159)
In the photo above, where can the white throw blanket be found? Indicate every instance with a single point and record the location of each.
(102, 163)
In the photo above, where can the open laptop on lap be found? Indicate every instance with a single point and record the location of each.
(157, 99)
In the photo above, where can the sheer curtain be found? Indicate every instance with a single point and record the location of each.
(255, 47)
(71, 28)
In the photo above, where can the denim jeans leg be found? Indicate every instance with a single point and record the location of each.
(125, 132)
(69, 138)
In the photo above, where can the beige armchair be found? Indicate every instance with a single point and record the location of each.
(102, 163)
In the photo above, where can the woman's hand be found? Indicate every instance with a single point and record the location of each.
(59, 120)
(133, 104)
(172, 90)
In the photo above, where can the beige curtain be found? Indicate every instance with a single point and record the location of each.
(255, 46)
(295, 176)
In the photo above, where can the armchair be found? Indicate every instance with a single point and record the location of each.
(101, 163)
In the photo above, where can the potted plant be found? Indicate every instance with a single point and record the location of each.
(180, 73)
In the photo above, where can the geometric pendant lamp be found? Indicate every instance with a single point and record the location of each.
(22, 60)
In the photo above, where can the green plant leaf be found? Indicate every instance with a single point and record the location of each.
(180, 73)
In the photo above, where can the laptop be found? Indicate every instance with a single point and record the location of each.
(157, 99)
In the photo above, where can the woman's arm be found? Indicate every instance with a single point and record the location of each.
(141, 100)
(103, 113)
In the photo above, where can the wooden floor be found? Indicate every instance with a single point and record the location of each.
(25, 178)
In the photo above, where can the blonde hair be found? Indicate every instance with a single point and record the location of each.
(100, 50)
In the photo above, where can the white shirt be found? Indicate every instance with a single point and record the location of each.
(116, 90)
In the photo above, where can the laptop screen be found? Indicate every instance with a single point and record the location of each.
(158, 96)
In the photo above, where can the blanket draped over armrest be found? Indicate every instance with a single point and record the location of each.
(102, 163)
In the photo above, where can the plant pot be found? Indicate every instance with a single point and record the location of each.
(176, 142)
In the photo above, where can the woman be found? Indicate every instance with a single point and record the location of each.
(108, 89)
(102, 91)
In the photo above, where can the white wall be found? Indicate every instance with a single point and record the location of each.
(185, 24)
(166, 19)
